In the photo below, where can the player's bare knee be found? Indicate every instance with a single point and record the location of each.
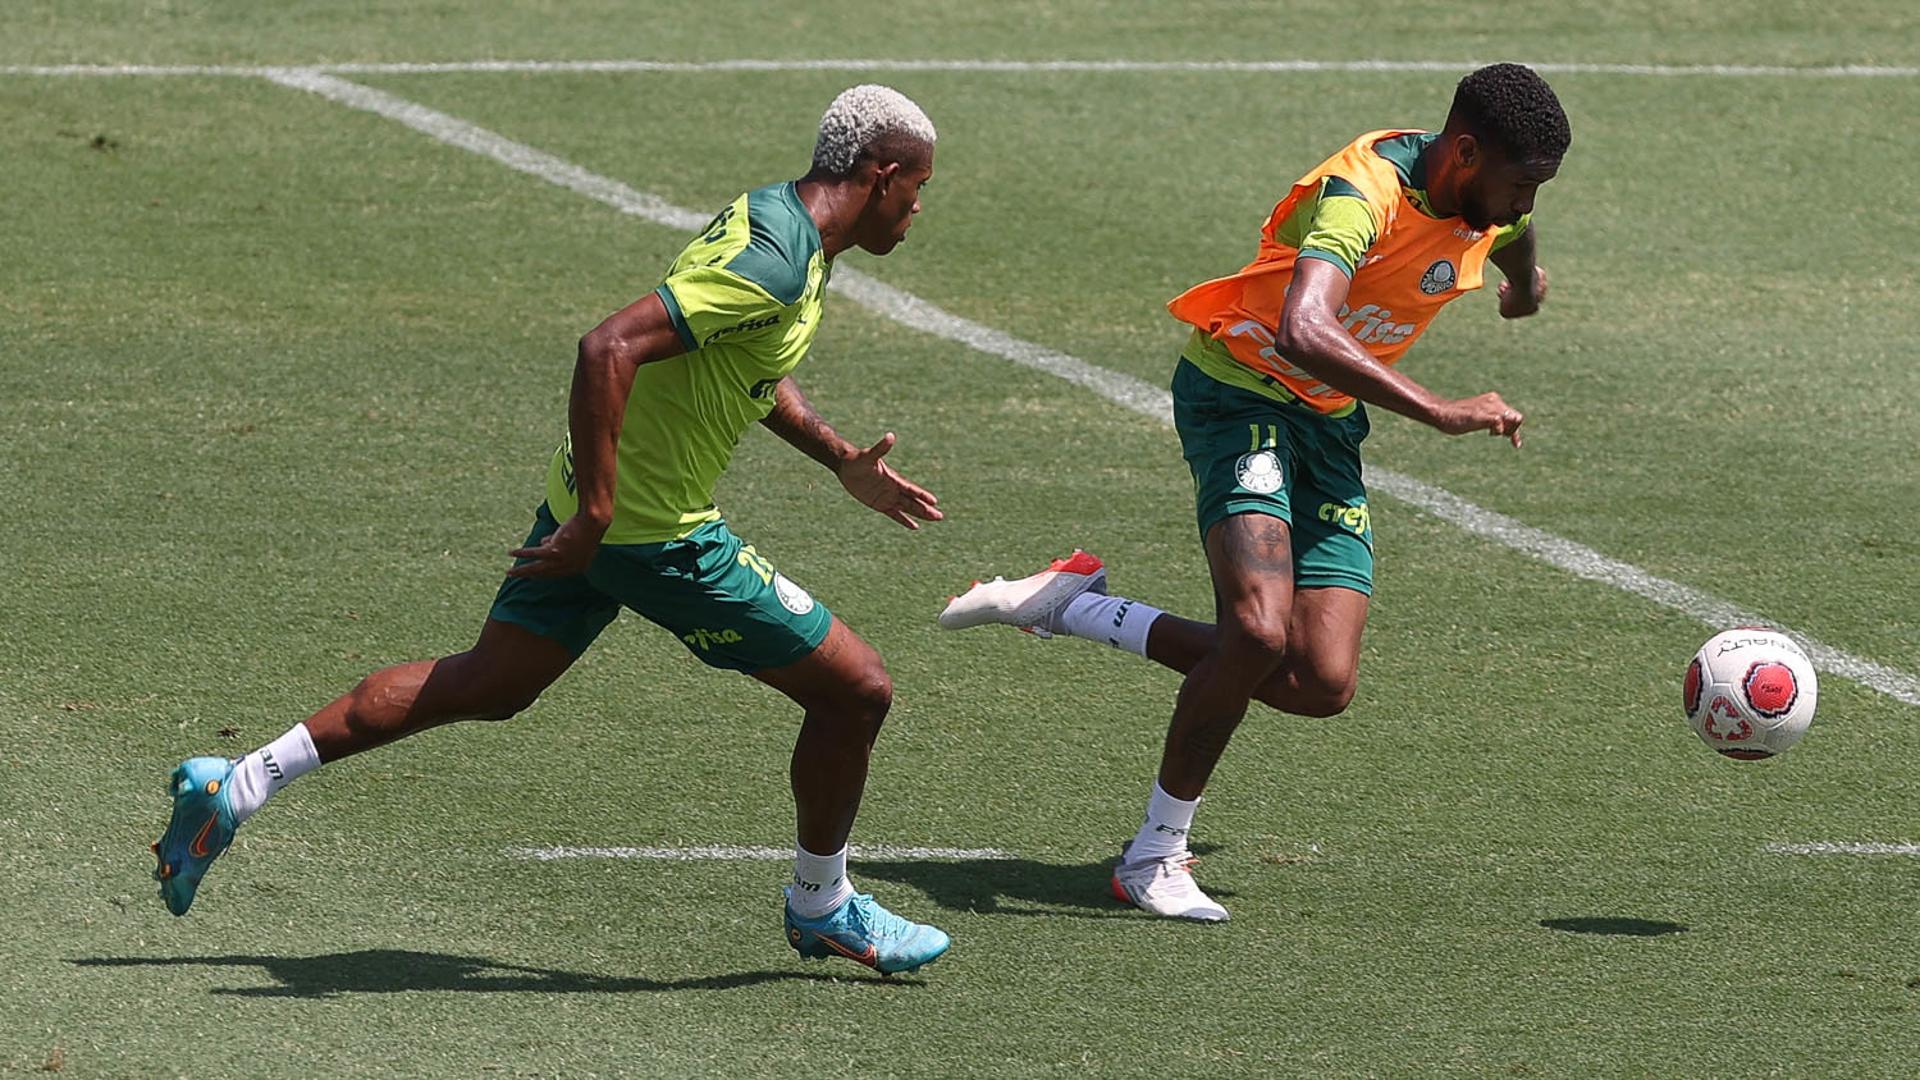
(1256, 637)
(1324, 689)
(865, 699)
(874, 695)
(1324, 700)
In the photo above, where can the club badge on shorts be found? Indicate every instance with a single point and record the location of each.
(1259, 472)
(792, 597)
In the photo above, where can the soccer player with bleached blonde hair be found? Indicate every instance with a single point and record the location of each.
(662, 391)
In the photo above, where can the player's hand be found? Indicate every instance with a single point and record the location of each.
(1486, 413)
(871, 480)
(1520, 303)
(564, 552)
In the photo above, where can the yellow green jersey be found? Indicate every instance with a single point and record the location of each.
(745, 298)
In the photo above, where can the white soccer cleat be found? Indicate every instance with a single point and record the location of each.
(1164, 886)
(1031, 603)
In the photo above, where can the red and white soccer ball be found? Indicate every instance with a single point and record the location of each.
(1750, 693)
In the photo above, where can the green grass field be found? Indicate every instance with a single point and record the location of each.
(279, 378)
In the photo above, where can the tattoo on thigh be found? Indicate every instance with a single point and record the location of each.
(1260, 544)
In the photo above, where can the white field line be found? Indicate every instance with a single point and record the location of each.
(1826, 847)
(748, 852)
(1134, 394)
(1237, 67)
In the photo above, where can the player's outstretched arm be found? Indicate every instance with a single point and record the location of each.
(862, 472)
(1311, 336)
(1526, 286)
(639, 333)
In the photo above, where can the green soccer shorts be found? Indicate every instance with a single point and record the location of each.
(1251, 454)
(722, 599)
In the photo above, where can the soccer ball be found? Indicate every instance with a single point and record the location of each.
(1750, 693)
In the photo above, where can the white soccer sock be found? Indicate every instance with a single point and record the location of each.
(270, 768)
(819, 882)
(1116, 620)
(1165, 830)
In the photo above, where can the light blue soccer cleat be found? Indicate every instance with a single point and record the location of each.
(866, 933)
(201, 828)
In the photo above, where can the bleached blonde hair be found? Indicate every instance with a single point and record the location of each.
(862, 118)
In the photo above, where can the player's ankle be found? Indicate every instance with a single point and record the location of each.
(1117, 620)
(1164, 832)
(257, 776)
(820, 882)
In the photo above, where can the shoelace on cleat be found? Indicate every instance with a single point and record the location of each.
(877, 920)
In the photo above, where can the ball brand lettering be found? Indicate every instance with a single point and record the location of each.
(1770, 688)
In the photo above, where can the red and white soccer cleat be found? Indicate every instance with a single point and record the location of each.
(1164, 886)
(1032, 603)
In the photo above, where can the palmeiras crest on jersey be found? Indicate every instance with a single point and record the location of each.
(792, 597)
(1259, 472)
(1438, 278)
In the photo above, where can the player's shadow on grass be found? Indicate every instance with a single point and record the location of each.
(1014, 886)
(388, 971)
(1615, 926)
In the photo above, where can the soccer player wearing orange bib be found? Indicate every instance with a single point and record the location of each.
(1269, 398)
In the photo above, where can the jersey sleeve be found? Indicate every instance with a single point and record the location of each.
(1334, 224)
(707, 302)
(1509, 233)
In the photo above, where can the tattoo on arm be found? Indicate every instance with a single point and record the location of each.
(794, 420)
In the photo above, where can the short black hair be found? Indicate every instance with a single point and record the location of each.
(1513, 107)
